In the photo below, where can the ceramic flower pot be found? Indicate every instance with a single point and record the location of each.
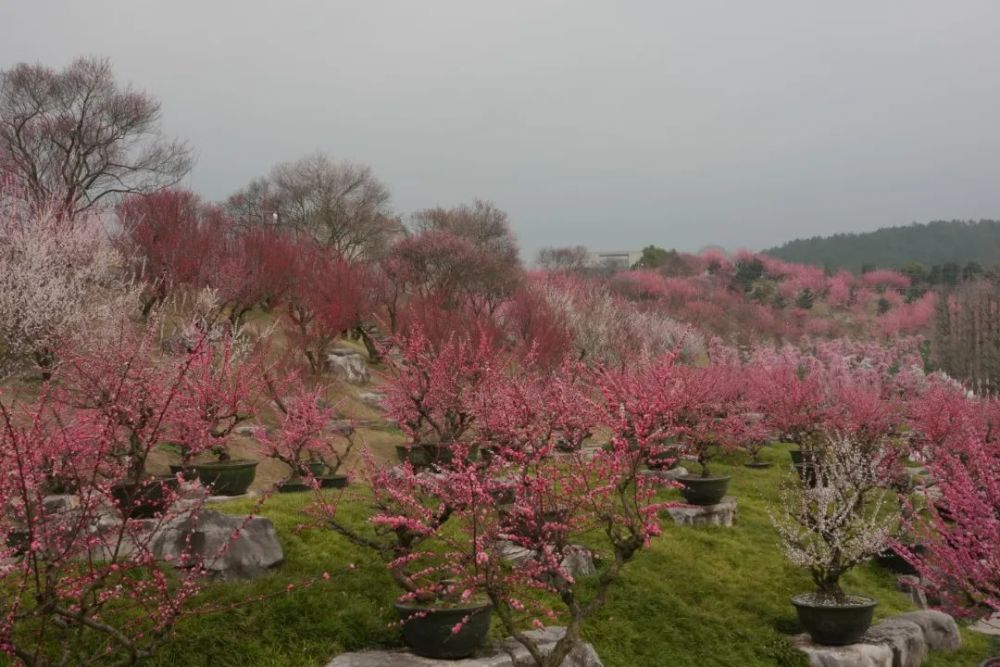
(831, 623)
(427, 629)
(227, 478)
(704, 490)
(144, 499)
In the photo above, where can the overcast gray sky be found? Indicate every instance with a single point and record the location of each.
(609, 124)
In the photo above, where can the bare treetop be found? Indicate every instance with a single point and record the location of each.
(483, 223)
(76, 137)
(342, 205)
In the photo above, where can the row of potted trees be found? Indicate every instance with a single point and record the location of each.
(495, 465)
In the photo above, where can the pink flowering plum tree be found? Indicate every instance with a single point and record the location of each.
(434, 389)
(82, 581)
(304, 440)
(955, 522)
(448, 533)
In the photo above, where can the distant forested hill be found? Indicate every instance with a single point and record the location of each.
(933, 243)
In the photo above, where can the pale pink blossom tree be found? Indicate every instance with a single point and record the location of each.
(59, 277)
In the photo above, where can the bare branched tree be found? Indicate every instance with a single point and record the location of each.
(75, 137)
(482, 223)
(965, 341)
(342, 205)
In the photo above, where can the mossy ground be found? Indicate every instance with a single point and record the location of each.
(699, 597)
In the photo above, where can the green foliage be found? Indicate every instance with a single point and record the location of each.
(941, 243)
(653, 257)
(805, 299)
(700, 597)
(745, 273)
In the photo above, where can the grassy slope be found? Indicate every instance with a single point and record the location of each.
(699, 597)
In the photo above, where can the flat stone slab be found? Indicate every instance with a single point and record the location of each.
(989, 626)
(508, 653)
(910, 584)
(853, 655)
(722, 514)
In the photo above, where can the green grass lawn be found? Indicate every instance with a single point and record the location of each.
(699, 597)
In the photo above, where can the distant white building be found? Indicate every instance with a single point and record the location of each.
(616, 259)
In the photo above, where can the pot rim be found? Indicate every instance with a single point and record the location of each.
(235, 463)
(431, 607)
(799, 601)
(699, 478)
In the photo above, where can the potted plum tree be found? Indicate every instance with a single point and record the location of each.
(221, 391)
(432, 391)
(829, 528)
(304, 440)
(754, 447)
(714, 416)
(93, 382)
(789, 389)
(441, 609)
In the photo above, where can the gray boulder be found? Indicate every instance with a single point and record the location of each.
(209, 536)
(60, 503)
(577, 560)
(583, 655)
(989, 626)
(905, 639)
(348, 365)
(940, 630)
(372, 399)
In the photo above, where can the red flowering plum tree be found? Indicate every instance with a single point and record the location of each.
(329, 298)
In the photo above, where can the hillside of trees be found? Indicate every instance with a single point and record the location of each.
(929, 244)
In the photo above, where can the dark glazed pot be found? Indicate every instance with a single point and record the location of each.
(802, 456)
(293, 485)
(704, 490)
(809, 473)
(227, 478)
(145, 499)
(834, 624)
(427, 630)
(185, 470)
(423, 455)
(332, 481)
(892, 561)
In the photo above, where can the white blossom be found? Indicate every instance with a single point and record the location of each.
(59, 277)
(843, 520)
